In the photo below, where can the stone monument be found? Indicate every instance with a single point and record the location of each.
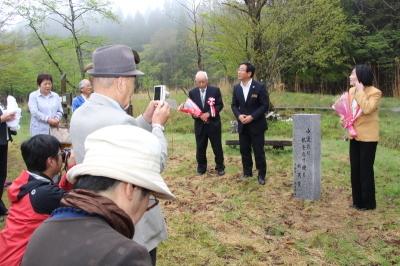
(307, 156)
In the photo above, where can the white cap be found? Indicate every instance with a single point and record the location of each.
(126, 153)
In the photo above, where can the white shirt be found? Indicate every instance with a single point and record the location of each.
(43, 107)
(203, 92)
(246, 88)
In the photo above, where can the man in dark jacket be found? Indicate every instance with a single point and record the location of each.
(208, 125)
(117, 182)
(249, 104)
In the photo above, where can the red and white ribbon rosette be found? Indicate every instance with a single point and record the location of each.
(211, 103)
(343, 109)
(190, 107)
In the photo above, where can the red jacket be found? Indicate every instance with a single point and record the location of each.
(33, 198)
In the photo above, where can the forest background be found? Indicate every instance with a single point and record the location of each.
(296, 45)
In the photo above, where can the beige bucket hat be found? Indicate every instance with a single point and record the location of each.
(126, 153)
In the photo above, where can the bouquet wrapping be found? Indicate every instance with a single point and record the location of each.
(12, 107)
(342, 106)
(190, 107)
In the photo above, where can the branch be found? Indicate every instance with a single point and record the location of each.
(78, 15)
(32, 26)
(83, 10)
(237, 7)
(184, 91)
(179, 23)
(202, 33)
(82, 43)
(61, 23)
(55, 11)
(189, 11)
(4, 21)
(388, 5)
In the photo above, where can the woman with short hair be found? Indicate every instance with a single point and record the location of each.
(44, 106)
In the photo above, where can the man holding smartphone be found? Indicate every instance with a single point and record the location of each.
(114, 73)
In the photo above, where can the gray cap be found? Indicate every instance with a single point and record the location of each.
(114, 61)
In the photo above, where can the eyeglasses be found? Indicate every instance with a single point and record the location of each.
(153, 201)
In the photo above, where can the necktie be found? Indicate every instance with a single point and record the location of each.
(203, 96)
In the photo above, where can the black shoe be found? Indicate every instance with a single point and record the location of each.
(261, 180)
(201, 172)
(3, 212)
(3, 209)
(220, 172)
(358, 208)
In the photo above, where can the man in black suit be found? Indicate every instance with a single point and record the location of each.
(208, 125)
(5, 136)
(249, 103)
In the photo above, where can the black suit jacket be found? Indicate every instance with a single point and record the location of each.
(214, 92)
(256, 105)
(3, 132)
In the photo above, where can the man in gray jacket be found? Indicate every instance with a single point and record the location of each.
(114, 72)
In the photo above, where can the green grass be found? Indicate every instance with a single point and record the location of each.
(225, 221)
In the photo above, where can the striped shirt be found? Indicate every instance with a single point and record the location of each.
(42, 107)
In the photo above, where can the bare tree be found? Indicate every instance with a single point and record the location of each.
(7, 13)
(70, 15)
(193, 12)
(32, 25)
(252, 9)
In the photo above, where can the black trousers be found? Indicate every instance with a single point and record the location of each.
(214, 135)
(249, 140)
(362, 158)
(3, 175)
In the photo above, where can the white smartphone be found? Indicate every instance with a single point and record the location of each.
(159, 92)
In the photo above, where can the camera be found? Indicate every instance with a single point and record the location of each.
(65, 154)
(160, 93)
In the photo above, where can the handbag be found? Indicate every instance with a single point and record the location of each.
(62, 134)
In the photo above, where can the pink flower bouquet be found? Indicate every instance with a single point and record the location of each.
(190, 107)
(342, 106)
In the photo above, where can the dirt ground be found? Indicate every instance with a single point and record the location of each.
(276, 228)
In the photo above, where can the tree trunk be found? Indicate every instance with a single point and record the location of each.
(254, 8)
(77, 45)
(396, 85)
(200, 64)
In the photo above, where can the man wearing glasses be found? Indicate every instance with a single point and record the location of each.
(117, 183)
(113, 78)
